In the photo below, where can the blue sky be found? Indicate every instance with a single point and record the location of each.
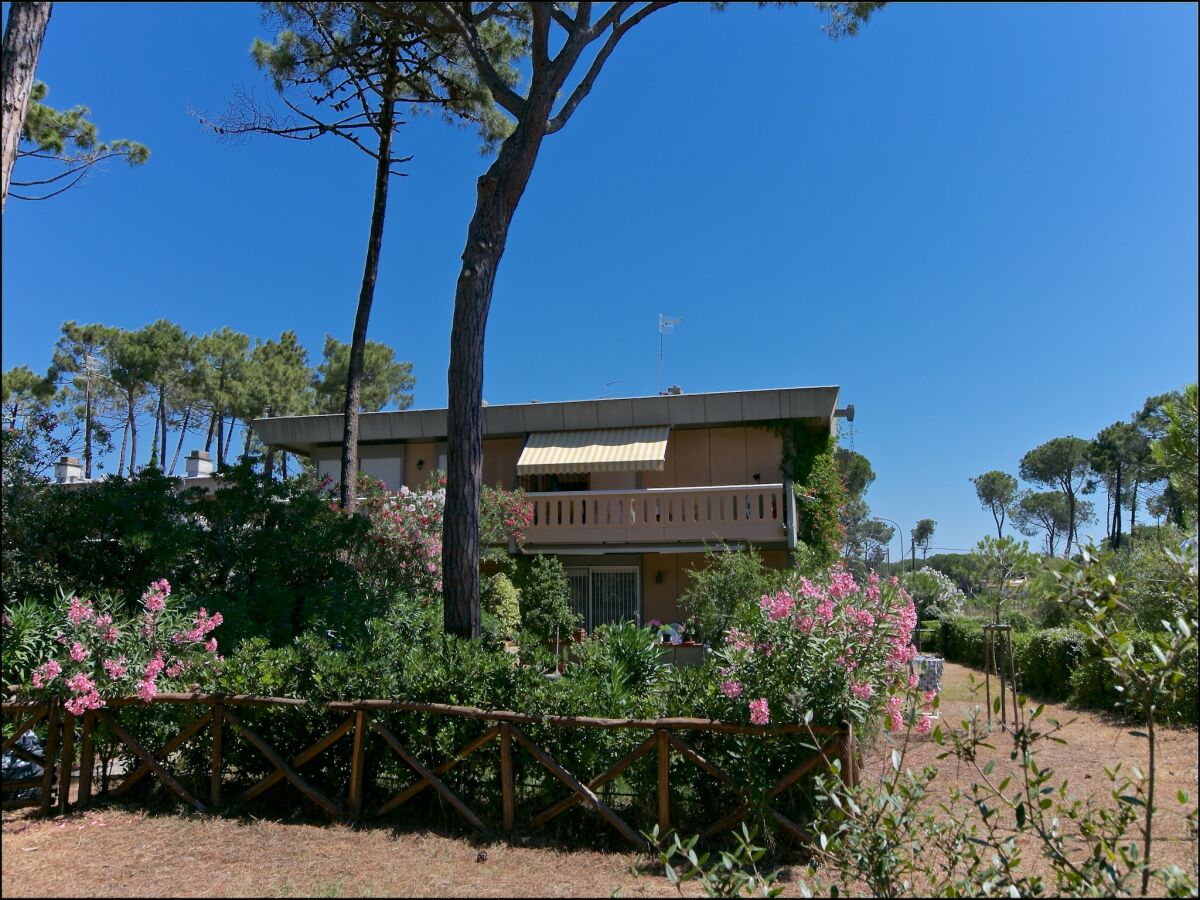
(979, 221)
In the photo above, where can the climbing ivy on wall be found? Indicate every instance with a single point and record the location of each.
(809, 462)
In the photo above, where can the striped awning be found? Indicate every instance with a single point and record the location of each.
(603, 450)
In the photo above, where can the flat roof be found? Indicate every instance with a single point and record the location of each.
(302, 434)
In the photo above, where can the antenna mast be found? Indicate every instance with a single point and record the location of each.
(665, 326)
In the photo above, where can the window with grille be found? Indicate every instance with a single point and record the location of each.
(605, 595)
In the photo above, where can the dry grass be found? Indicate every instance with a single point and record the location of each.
(117, 852)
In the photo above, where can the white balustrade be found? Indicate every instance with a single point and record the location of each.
(724, 512)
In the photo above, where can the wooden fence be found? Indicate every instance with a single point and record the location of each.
(361, 718)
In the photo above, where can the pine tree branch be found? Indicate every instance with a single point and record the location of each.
(54, 193)
(541, 33)
(618, 31)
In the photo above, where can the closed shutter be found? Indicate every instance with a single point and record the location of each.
(388, 469)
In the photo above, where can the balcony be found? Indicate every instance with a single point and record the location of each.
(740, 512)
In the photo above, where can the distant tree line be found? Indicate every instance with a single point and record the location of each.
(1147, 463)
(107, 389)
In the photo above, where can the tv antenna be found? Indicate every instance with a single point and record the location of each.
(665, 326)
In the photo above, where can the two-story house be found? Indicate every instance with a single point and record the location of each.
(627, 492)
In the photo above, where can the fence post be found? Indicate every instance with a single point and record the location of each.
(66, 764)
(218, 735)
(664, 781)
(48, 753)
(87, 758)
(849, 756)
(506, 776)
(356, 763)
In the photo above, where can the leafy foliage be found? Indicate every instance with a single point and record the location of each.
(723, 591)
(889, 835)
(545, 597)
(55, 139)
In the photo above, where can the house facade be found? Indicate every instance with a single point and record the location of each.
(627, 493)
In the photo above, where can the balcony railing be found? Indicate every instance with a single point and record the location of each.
(739, 512)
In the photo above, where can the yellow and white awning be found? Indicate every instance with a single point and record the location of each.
(602, 450)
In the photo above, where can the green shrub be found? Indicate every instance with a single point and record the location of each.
(502, 600)
(1050, 656)
(724, 592)
(1021, 622)
(962, 640)
(1094, 686)
(545, 597)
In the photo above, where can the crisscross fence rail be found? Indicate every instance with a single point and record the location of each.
(220, 719)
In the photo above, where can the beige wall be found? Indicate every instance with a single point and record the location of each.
(697, 457)
(500, 457)
(426, 454)
(661, 601)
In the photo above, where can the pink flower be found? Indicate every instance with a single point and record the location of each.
(806, 624)
(46, 672)
(824, 610)
(891, 708)
(155, 666)
(81, 684)
(777, 607)
(115, 668)
(77, 706)
(861, 689)
(924, 724)
(146, 690)
(81, 611)
(175, 669)
(155, 598)
(760, 713)
(211, 646)
(79, 652)
(731, 689)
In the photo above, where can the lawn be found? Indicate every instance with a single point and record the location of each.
(121, 852)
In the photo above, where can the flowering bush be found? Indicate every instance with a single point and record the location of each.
(101, 657)
(405, 543)
(934, 593)
(835, 648)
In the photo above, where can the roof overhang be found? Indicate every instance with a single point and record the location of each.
(303, 434)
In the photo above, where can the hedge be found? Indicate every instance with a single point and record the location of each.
(1060, 664)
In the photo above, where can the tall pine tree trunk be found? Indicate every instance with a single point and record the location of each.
(87, 427)
(229, 438)
(154, 457)
(124, 440)
(499, 191)
(187, 414)
(162, 414)
(212, 424)
(23, 38)
(1116, 542)
(348, 492)
(220, 440)
(132, 434)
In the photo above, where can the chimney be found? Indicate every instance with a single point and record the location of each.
(198, 464)
(67, 469)
(674, 390)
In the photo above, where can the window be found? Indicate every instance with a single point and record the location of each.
(605, 595)
(562, 482)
